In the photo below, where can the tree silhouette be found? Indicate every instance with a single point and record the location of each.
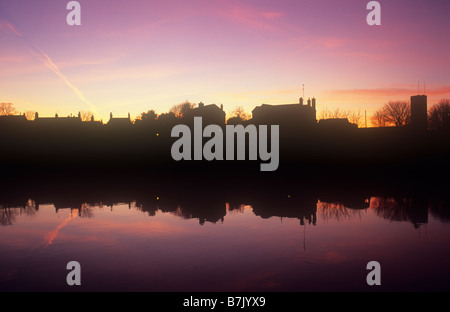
(167, 119)
(149, 115)
(7, 109)
(397, 113)
(30, 115)
(439, 116)
(353, 117)
(393, 113)
(181, 109)
(378, 119)
(240, 112)
(238, 115)
(356, 118)
(86, 115)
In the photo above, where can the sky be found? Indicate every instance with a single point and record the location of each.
(136, 55)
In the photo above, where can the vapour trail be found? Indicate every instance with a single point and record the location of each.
(45, 58)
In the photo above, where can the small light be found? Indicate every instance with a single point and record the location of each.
(157, 134)
(157, 198)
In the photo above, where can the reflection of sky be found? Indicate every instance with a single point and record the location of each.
(153, 54)
(126, 249)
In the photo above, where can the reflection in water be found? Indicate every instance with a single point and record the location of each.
(50, 236)
(8, 214)
(336, 211)
(157, 244)
(414, 210)
(86, 211)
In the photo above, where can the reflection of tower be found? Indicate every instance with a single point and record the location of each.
(419, 111)
(304, 237)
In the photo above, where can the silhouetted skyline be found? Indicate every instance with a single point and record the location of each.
(239, 53)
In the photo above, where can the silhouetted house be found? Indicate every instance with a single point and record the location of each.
(13, 121)
(211, 114)
(93, 124)
(237, 120)
(286, 115)
(57, 123)
(336, 124)
(419, 112)
(120, 122)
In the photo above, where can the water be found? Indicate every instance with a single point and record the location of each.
(137, 247)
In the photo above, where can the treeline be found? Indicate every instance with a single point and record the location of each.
(178, 111)
(391, 114)
(395, 114)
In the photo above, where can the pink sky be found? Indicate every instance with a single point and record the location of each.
(132, 56)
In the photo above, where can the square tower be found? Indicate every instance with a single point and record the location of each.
(419, 112)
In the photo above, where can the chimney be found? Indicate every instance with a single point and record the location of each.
(309, 102)
(314, 103)
(301, 101)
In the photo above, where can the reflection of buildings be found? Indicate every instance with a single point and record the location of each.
(9, 213)
(300, 207)
(414, 210)
(204, 209)
(214, 209)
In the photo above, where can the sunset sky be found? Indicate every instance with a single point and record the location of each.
(136, 55)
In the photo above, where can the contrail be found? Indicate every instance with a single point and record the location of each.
(43, 57)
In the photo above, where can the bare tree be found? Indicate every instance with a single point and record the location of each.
(397, 113)
(181, 109)
(30, 115)
(356, 118)
(353, 117)
(86, 211)
(439, 115)
(239, 112)
(378, 119)
(7, 109)
(328, 114)
(86, 115)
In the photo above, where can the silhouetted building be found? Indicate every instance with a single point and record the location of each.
(333, 124)
(211, 114)
(93, 124)
(119, 122)
(291, 115)
(13, 120)
(58, 122)
(419, 112)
